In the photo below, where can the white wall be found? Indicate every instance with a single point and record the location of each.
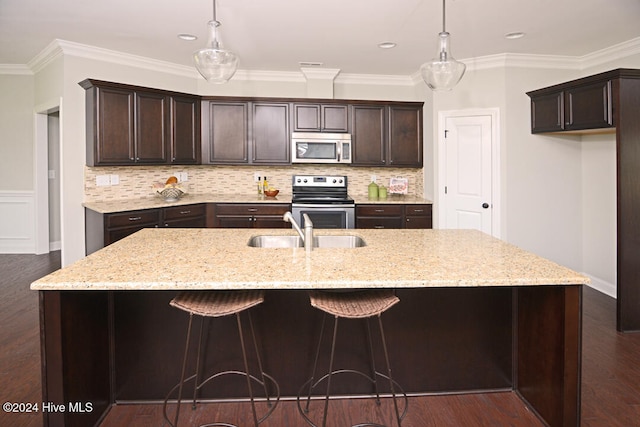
(16, 132)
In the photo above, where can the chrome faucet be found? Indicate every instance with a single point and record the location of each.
(307, 235)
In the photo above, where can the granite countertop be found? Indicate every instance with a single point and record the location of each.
(171, 259)
(124, 205)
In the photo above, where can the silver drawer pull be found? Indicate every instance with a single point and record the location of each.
(379, 210)
(184, 212)
(378, 226)
(252, 209)
(135, 218)
(418, 210)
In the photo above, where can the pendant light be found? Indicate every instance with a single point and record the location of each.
(443, 72)
(217, 65)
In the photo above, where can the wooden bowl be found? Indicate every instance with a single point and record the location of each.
(271, 193)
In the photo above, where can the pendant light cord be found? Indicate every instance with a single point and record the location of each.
(443, 16)
(214, 10)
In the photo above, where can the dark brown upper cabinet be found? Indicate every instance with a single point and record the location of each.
(246, 132)
(405, 136)
(320, 118)
(270, 133)
(225, 132)
(185, 130)
(581, 106)
(368, 135)
(387, 135)
(129, 125)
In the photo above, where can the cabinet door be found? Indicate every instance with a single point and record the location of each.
(405, 136)
(113, 127)
(185, 130)
(320, 117)
(368, 135)
(228, 137)
(306, 117)
(334, 118)
(270, 133)
(547, 113)
(151, 129)
(589, 106)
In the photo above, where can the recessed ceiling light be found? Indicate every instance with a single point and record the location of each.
(514, 35)
(188, 37)
(386, 45)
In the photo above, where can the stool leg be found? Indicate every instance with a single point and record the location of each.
(333, 348)
(184, 368)
(315, 362)
(255, 346)
(386, 357)
(374, 376)
(246, 368)
(197, 377)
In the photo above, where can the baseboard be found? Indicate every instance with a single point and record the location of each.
(17, 231)
(602, 286)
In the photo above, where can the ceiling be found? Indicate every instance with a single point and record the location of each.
(277, 35)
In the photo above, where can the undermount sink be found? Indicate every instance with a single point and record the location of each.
(276, 241)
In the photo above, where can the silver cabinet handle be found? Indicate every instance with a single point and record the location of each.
(184, 212)
(135, 218)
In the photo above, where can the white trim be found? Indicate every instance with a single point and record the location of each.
(496, 201)
(16, 229)
(15, 69)
(40, 170)
(602, 286)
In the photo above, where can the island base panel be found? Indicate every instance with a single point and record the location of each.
(125, 346)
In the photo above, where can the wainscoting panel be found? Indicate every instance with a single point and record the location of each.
(17, 226)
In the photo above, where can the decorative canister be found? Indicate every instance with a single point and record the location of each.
(373, 190)
(382, 192)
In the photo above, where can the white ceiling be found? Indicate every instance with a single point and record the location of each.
(277, 34)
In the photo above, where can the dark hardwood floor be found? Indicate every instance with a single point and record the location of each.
(610, 374)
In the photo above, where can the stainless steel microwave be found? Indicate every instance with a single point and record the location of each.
(319, 147)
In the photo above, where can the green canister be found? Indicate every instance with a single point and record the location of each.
(373, 191)
(382, 192)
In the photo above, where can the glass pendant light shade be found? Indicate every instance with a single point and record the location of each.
(215, 64)
(444, 72)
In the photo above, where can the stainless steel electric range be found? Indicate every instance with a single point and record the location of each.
(325, 199)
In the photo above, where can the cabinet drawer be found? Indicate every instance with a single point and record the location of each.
(251, 209)
(417, 210)
(418, 222)
(134, 218)
(379, 210)
(372, 222)
(186, 211)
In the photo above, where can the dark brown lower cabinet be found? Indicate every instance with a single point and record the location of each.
(245, 215)
(104, 229)
(393, 216)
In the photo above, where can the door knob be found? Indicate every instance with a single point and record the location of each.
(485, 205)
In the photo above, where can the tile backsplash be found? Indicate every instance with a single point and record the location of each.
(138, 181)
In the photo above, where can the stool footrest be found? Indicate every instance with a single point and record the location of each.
(305, 387)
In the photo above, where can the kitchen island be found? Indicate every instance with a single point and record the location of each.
(475, 314)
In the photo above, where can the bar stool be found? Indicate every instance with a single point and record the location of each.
(207, 304)
(352, 305)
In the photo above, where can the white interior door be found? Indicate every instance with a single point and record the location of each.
(467, 197)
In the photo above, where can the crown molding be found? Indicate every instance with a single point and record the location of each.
(612, 53)
(15, 69)
(58, 48)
